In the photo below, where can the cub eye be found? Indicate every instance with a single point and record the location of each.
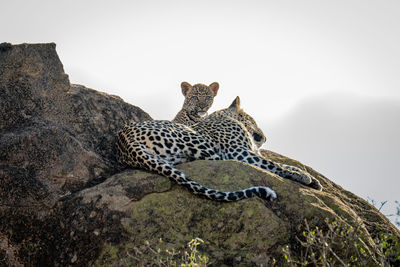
(195, 98)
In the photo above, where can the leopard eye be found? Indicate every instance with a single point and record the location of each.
(257, 137)
(195, 98)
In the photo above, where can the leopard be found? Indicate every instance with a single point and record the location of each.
(198, 100)
(159, 145)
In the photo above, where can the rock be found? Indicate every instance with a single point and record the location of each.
(55, 139)
(248, 233)
(64, 200)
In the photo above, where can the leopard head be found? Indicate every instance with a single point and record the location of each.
(199, 97)
(236, 112)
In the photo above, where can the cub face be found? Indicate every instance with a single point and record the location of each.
(199, 97)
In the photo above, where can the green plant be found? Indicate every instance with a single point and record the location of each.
(155, 255)
(192, 258)
(189, 257)
(389, 247)
(339, 244)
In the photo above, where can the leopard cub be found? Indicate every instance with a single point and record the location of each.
(198, 100)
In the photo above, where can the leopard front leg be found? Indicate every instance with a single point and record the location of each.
(284, 171)
(314, 182)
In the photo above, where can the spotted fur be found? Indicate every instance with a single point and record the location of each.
(198, 100)
(224, 135)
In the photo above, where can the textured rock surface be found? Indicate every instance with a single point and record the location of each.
(55, 139)
(63, 200)
(247, 233)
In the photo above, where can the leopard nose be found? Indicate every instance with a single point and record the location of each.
(203, 106)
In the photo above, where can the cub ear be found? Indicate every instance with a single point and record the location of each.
(214, 88)
(235, 104)
(185, 88)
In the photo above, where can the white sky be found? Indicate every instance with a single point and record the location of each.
(322, 78)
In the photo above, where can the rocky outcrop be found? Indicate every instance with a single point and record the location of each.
(55, 139)
(64, 200)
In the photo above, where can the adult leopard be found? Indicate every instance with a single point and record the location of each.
(224, 135)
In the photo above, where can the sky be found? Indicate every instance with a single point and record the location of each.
(321, 78)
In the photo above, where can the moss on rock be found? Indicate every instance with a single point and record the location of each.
(248, 232)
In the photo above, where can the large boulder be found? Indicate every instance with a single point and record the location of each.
(64, 200)
(55, 139)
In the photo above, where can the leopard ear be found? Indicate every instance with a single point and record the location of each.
(185, 88)
(235, 104)
(214, 88)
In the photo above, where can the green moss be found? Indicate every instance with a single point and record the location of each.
(245, 232)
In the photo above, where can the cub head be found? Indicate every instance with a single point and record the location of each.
(234, 111)
(199, 97)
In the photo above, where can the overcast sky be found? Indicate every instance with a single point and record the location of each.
(322, 78)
